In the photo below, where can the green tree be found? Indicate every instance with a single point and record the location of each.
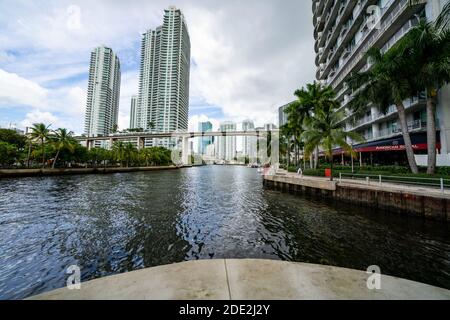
(151, 125)
(62, 139)
(325, 130)
(8, 153)
(118, 152)
(12, 137)
(96, 155)
(41, 133)
(427, 47)
(384, 84)
(301, 112)
(129, 153)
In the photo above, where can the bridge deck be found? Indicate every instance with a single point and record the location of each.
(144, 135)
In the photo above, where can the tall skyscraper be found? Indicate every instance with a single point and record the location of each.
(204, 142)
(343, 32)
(134, 101)
(163, 102)
(102, 107)
(226, 146)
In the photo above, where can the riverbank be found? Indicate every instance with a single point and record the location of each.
(17, 173)
(422, 202)
(247, 279)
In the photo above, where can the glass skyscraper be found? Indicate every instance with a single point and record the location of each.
(204, 142)
(102, 106)
(163, 101)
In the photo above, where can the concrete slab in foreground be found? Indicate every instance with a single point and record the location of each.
(245, 280)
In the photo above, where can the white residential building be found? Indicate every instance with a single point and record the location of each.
(226, 146)
(133, 109)
(344, 30)
(249, 144)
(102, 106)
(163, 102)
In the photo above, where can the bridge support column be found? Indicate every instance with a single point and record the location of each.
(88, 144)
(140, 143)
(185, 151)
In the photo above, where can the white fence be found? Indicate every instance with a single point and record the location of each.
(373, 179)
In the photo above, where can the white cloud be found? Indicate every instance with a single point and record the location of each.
(17, 90)
(248, 56)
(128, 88)
(195, 120)
(65, 105)
(38, 116)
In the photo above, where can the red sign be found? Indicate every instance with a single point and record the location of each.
(418, 146)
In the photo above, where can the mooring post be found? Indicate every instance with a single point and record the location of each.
(368, 180)
(379, 177)
(442, 185)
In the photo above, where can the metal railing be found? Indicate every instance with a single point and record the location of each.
(374, 179)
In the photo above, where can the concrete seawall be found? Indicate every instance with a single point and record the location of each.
(420, 202)
(229, 279)
(16, 173)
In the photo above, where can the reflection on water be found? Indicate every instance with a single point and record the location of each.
(109, 224)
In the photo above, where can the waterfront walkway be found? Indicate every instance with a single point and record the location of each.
(375, 185)
(245, 280)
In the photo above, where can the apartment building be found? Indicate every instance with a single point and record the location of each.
(343, 31)
(102, 106)
(226, 146)
(163, 101)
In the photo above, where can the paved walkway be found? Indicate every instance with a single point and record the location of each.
(375, 185)
(245, 280)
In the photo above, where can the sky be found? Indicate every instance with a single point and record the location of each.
(247, 57)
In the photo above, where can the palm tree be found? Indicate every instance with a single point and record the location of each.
(427, 46)
(41, 133)
(311, 100)
(129, 151)
(151, 125)
(325, 130)
(62, 139)
(385, 83)
(118, 152)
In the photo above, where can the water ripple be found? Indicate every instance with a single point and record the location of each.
(108, 224)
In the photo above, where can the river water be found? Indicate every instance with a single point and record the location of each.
(108, 224)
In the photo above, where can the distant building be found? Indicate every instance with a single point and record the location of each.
(133, 119)
(226, 146)
(102, 107)
(343, 32)
(17, 130)
(249, 144)
(204, 142)
(282, 116)
(269, 127)
(163, 103)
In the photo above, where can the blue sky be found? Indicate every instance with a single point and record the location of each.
(247, 57)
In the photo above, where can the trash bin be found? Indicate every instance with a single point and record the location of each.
(328, 173)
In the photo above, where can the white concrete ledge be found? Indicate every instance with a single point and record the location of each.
(245, 280)
(307, 181)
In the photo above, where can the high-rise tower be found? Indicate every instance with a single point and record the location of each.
(163, 102)
(134, 100)
(344, 31)
(103, 93)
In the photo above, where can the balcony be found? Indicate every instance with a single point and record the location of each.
(389, 15)
(350, 25)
